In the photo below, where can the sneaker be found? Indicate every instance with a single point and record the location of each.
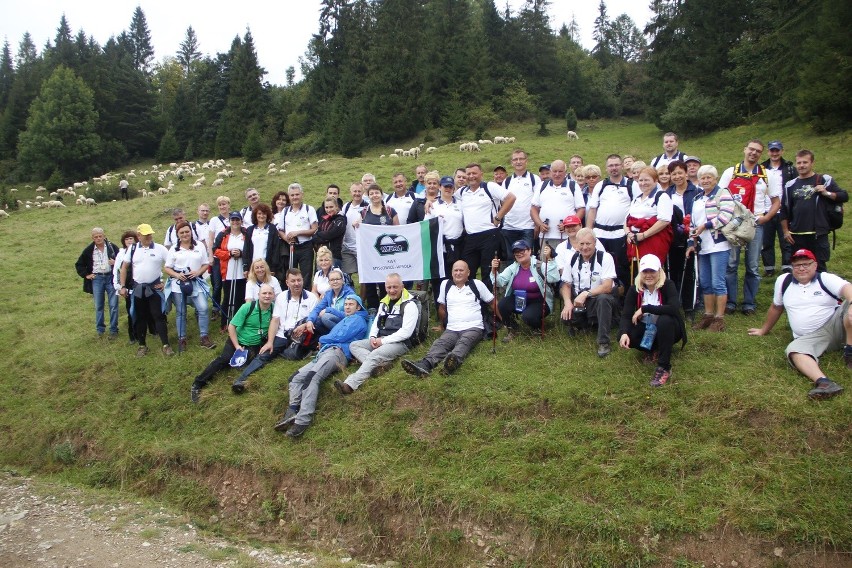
(749, 312)
(769, 273)
(168, 351)
(704, 322)
(418, 369)
(604, 350)
(717, 325)
(787, 269)
(181, 345)
(206, 343)
(286, 421)
(730, 310)
(847, 356)
(239, 386)
(142, 351)
(194, 393)
(451, 364)
(824, 388)
(296, 430)
(661, 377)
(112, 336)
(343, 388)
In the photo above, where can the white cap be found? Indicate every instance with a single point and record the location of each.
(649, 262)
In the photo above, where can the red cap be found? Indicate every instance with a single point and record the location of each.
(571, 220)
(802, 253)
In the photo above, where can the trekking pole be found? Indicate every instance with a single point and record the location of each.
(494, 322)
(231, 295)
(544, 276)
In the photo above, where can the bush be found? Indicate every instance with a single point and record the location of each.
(56, 180)
(542, 120)
(571, 119)
(692, 113)
(253, 146)
(189, 153)
(481, 118)
(310, 144)
(169, 148)
(517, 103)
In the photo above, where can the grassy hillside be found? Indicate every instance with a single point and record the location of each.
(539, 455)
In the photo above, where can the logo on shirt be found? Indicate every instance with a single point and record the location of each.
(391, 244)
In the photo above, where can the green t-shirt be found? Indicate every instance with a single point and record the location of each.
(253, 327)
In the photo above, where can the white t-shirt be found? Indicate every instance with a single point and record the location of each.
(259, 241)
(246, 213)
(352, 213)
(612, 205)
(450, 212)
(216, 226)
(401, 204)
(148, 263)
(202, 229)
(644, 208)
(185, 260)
(253, 288)
(776, 186)
(291, 310)
(524, 187)
(478, 209)
(235, 265)
(298, 220)
(699, 218)
(463, 309)
(808, 306)
(556, 203)
(585, 275)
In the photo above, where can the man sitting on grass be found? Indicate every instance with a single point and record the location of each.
(460, 309)
(818, 322)
(333, 356)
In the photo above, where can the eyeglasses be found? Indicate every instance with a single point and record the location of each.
(803, 265)
(335, 279)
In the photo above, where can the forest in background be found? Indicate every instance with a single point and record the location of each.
(380, 71)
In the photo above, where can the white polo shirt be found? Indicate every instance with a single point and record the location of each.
(148, 263)
(352, 213)
(181, 259)
(524, 187)
(477, 209)
(463, 309)
(299, 219)
(585, 275)
(564, 251)
(290, 310)
(644, 208)
(450, 212)
(401, 204)
(808, 306)
(556, 203)
(612, 205)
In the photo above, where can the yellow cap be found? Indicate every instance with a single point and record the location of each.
(145, 229)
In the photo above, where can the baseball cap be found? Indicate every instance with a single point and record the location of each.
(571, 220)
(649, 262)
(544, 167)
(692, 159)
(239, 358)
(802, 253)
(448, 181)
(520, 245)
(499, 169)
(235, 215)
(776, 145)
(145, 229)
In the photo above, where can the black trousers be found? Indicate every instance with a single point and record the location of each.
(817, 244)
(223, 361)
(150, 311)
(303, 259)
(618, 249)
(668, 333)
(478, 252)
(530, 316)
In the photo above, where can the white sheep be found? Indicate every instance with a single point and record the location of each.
(41, 189)
(431, 149)
(483, 142)
(572, 135)
(394, 155)
(285, 164)
(322, 161)
(282, 171)
(54, 204)
(510, 140)
(90, 202)
(398, 151)
(414, 152)
(245, 171)
(13, 190)
(269, 172)
(3, 213)
(406, 153)
(217, 182)
(39, 197)
(165, 190)
(270, 166)
(382, 156)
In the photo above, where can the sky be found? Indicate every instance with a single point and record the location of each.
(281, 30)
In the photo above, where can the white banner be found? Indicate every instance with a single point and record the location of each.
(414, 251)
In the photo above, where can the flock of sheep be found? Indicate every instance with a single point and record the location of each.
(464, 147)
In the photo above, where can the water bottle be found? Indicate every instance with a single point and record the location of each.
(520, 301)
(650, 332)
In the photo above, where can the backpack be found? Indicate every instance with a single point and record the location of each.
(607, 182)
(421, 299)
(678, 234)
(744, 185)
(739, 231)
(833, 214)
(489, 329)
(788, 279)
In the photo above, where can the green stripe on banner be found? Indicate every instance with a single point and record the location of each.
(426, 249)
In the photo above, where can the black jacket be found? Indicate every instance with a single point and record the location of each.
(330, 233)
(272, 249)
(85, 264)
(670, 306)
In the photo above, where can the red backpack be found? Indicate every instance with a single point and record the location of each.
(743, 185)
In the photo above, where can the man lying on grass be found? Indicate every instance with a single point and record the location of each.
(818, 323)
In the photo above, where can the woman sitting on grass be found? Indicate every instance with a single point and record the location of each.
(651, 320)
(258, 275)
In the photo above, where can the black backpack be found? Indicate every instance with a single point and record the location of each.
(833, 214)
(421, 332)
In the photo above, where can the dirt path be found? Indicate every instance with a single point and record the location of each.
(48, 525)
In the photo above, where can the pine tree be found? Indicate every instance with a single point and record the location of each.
(63, 51)
(169, 149)
(140, 40)
(30, 71)
(602, 34)
(7, 75)
(253, 146)
(188, 51)
(245, 102)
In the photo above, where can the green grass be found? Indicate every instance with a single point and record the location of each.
(543, 452)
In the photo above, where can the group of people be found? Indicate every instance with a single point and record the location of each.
(633, 250)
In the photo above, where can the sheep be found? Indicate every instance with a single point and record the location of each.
(572, 135)
(165, 190)
(269, 172)
(131, 174)
(398, 151)
(483, 142)
(421, 145)
(382, 156)
(406, 153)
(3, 213)
(90, 202)
(431, 149)
(309, 164)
(285, 164)
(510, 140)
(217, 182)
(54, 204)
(414, 152)
(41, 189)
(196, 185)
(282, 171)
(39, 197)
(270, 166)
(245, 171)
(13, 190)
(322, 161)
(394, 155)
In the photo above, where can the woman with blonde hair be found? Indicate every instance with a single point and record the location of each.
(258, 275)
(651, 320)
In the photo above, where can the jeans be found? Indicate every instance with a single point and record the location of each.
(512, 235)
(711, 273)
(102, 284)
(324, 323)
(752, 274)
(200, 302)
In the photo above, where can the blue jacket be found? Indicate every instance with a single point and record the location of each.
(689, 195)
(349, 329)
(329, 304)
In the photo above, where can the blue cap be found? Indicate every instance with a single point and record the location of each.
(544, 167)
(448, 181)
(239, 358)
(235, 215)
(776, 145)
(520, 244)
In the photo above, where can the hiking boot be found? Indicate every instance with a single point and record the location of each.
(704, 322)
(239, 386)
(206, 343)
(661, 377)
(451, 364)
(112, 336)
(730, 310)
(787, 269)
(510, 335)
(194, 393)
(418, 369)
(343, 388)
(769, 273)
(296, 430)
(603, 350)
(286, 421)
(181, 345)
(824, 388)
(168, 351)
(749, 312)
(847, 356)
(717, 325)
(142, 351)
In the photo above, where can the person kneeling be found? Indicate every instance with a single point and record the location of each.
(656, 325)
(246, 331)
(460, 308)
(334, 355)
